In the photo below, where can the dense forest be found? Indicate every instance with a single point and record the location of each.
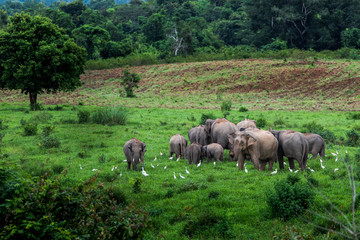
(164, 28)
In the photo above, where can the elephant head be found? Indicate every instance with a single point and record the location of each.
(137, 149)
(241, 141)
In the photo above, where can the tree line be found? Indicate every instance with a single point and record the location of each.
(165, 28)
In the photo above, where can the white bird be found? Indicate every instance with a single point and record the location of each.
(237, 164)
(171, 157)
(158, 164)
(174, 176)
(94, 170)
(337, 152)
(336, 159)
(334, 154)
(214, 163)
(284, 163)
(320, 160)
(144, 173)
(113, 168)
(346, 152)
(133, 160)
(155, 158)
(165, 167)
(312, 170)
(246, 171)
(152, 165)
(120, 174)
(187, 171)
(199, 164)
(274, 172)
(161, 153)
(290, 169)
(336, 169)
(116, 167)
(80, 167)
(178, 159)
(124, 160)
(181, 176)
(322, 166)
(296, 171)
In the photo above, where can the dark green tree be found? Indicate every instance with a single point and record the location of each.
(91, 38)
(36, 57)
(351, 38)
(154, 28)
(3, 18)
(130, 81)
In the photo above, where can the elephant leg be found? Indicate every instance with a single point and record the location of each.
(128, 165)
(271, 163)
(262, 165)
(281, 161)
(241, 162)
(292, 164)
(256, 163)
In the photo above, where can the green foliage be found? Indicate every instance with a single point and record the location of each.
(213, 194)
(243, 109)
(50, 61)
(57, 168)
(2, 126)
(86, 208)
(351, 38)
(261, 122)
(42, 117)
(136, 183)
(275, 45)
(354, 116)
(47, 130)
(353, 138)
(109, 116)
(49, 141)
(290, 197)
(205, 116)
(314, 127)
(2, 135)
(83, 116)
(30, 128)
(226, 107)
(130, 81)
(36, 107)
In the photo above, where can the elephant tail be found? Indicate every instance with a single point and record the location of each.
(305, 154)
(197, 137)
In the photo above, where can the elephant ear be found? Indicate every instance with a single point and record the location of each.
(130, 147)
(143, 147)
(231, 138)
(251, 141)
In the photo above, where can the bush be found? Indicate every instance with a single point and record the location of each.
(42, 117)
(57, 168)
(46, 131)
(205, 116)
(36, 107)
(226, 107)
(353, 138)
(243, 109)
(130, 81)
(2, 126)
(313, 127)
(109, 116)
(261, 122)
(30, 129)
(50, 141)
(136, 183)
(354, 116)
(78, 211)
(289, 198)
(83, 116)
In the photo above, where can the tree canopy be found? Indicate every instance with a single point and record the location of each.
(36, 56)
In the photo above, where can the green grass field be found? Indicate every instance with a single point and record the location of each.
(213, 201)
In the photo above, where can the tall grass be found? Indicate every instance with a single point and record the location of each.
(109, 116)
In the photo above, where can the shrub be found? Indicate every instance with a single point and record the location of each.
(57, 168)
(353, 138)
(50, 141)
(136, 183)
(83, 116)
(213, 194)
(2, 126)
(188, 187)
(205, 116)
(42, 117)
(86, 208)
(109, 116)
(130, 81)
(261, 122)
(279, 122)
(46, 131)
(102, 158)
(289, 198)
(30, 128)
(36, 107)
(226, 107)
(354, 116)
(243, 109)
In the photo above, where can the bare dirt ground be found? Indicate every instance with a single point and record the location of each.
(256, 84)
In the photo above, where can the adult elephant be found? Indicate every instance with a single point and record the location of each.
(316, 144)
(199, 135)
(246, 123)
(178, 145)
(261, 146)
(292, 145)
(220, 130)
(134, 150)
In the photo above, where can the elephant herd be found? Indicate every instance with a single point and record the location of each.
(244, 141)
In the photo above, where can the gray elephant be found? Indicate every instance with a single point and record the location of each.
(134, 151)
(316, 144)
(213, 150)
(258, 145)
(246, 123)
(219, 131)
(292, 145)
(199, 135)
(178, 145)
(193, 153)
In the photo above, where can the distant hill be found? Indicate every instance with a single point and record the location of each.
(49, 2)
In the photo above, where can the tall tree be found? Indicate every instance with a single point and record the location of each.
(36, 57)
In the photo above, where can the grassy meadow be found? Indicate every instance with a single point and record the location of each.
(213, 201)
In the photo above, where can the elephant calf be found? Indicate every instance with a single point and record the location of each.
(134, 151)
(316, 144)
(213, 150)
(193, 153)
(178, 144)
(198, 135)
